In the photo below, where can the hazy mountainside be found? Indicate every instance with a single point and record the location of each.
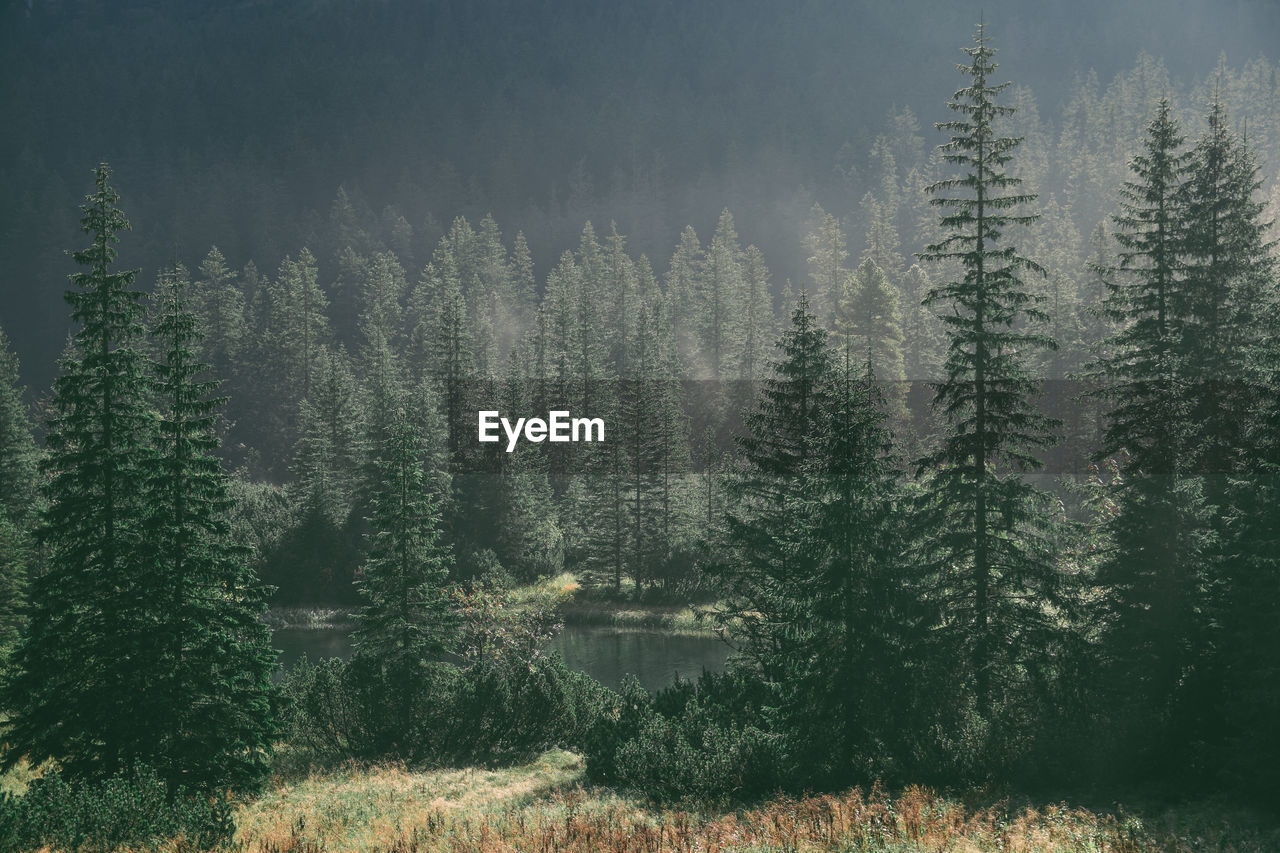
(234, 124)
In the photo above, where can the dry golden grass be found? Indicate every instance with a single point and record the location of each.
(541, 808)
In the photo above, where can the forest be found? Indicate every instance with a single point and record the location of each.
(954, 423)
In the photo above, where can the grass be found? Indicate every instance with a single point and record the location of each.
(602, 608)
(543, 806)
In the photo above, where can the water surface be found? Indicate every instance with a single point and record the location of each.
(606, 654)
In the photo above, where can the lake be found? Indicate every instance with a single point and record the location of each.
(606, 654)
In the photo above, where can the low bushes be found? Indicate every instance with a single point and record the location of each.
(694, 742)
(501, 709)
(133, 809)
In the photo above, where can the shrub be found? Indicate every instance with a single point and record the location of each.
(698, 742)
(512, 707)
(500, 708)
(132, 809)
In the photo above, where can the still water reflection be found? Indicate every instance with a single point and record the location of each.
(606, 654)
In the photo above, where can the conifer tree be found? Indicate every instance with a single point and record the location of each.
(1230, 292)
(18, 498)
(18, 483)
(406, 620)
(1228, 272)
(868, 315)
(848, 698)
(82, 668)
(719, 300)
(1158, 531)
(988, 534)
(217, 300)
(757, 316)
(828, 252)
(380, 303)
(329, 450)
(452, 362)
(768, 568)
(682, 276)
(210, 714)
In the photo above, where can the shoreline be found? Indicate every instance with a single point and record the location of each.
(679, 620)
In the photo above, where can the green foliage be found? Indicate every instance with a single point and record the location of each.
(144, 644)
(133, 809)
(406, 620)
(988, 536)
(768, 566)
(85, 661)
(209, 719)
(688, 744)
(502, 708)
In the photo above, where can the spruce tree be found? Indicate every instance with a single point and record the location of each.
(18, 499)
(719, 300)
(1158, 533)
(19, 487)
(867, 314)
(828, 252)
(210, 715)
(406, 621)
(1229, 273)
(766, 573)
(83, 667)
(849, 700)
(988, 535)
(218, 302)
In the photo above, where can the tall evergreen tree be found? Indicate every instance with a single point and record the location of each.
(18, 498)
(82, 669)
(988, 533)
(768, 568)
(828, 251)
(1229, 272)
(718, 300)
(406, 621)
(210, 714)
(1158, 532)
(868, 314)
(848, 700)
(218, 302)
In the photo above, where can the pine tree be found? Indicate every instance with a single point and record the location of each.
(81, 671)
(828, 251)
(989, 536)
(18, 483)
(1228, 271)
(18, 499)
(757, 316)
(217, 301)
(406, 622)
(452, 362)
(768, 568)
(328, 455)
(210, 715)
(868, 314)
(1158, 531)
(1230, 294)
(682, 277)
(380, 303)
(849, 697)
(300, 307)
(718, 300)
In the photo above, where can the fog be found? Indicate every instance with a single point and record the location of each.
(235, 124)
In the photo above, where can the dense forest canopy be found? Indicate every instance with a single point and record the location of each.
(234, 124)
(940, 395)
